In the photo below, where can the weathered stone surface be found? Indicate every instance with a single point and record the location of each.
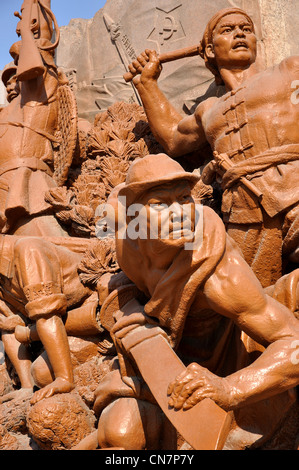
(60, 422)
(7, 440)
(13, 413)
(13, 426)
(5, 381)
(83, 349)
(280, 21)
(87, 377)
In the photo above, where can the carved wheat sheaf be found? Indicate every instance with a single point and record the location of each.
(67, 132)
(119, 136)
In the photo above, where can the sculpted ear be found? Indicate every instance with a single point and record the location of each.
(210, 51)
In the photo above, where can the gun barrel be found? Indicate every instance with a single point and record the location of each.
(30, 64)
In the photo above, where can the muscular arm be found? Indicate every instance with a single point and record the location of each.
(178, 135)
(234, 291)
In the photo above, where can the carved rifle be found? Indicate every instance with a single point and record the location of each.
(30, 27)
(222, 164)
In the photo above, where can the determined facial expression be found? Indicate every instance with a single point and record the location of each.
(234, 42)
(169, 213)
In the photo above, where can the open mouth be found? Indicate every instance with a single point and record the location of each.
(240, 45)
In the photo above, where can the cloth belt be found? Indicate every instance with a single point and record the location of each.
(31, 163)
(45, 134)
(272, 157)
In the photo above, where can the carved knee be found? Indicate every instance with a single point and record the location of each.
(130, 424)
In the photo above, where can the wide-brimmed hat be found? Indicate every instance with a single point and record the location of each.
(151, 171)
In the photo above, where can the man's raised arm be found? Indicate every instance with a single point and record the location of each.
(178, 135)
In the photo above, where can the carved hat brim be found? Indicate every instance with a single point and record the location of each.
(8, 72)
(153, 171)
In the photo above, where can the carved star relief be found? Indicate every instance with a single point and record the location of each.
(168, 27)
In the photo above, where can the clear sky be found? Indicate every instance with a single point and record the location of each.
(64, 11)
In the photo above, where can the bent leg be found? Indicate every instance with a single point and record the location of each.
(130, 424)
(19, 357)
(39, 274)
(21, 361)
(54, 338)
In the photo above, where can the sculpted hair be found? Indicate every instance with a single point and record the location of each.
(208, 38)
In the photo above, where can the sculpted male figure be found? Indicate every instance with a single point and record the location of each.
(202, 298)
(38, 278)
(253, 130)
(10, 82)
(27, 128)
(41, 283)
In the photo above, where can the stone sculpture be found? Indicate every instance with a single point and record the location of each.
(203, 286)
(97, 51)
(90, 292)
(256, 214)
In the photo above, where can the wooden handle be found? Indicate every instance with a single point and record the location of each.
(169, 57)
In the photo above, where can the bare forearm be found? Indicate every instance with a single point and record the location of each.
(162, 116)
(177, 134)
(274, 372)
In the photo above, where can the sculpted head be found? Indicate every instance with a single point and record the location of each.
(229, 41)
(10, 82)
(159, 189)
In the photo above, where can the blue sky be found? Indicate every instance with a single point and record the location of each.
(64, 11)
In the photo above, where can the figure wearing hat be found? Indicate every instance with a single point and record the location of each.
(9, 79)
(197, 297)
(28, 125)
(30, 268)
(253, 133)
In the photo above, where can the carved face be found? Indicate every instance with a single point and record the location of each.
(12, 88)
(234, 42)
(169, 212)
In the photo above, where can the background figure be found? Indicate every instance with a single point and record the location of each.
(28, 126)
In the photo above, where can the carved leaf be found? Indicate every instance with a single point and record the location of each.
(125, 112)
(97, 141)
(60, 198)
(114, 171)
(100, 259)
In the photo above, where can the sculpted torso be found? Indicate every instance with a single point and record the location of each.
(257, 116)
(35, 107)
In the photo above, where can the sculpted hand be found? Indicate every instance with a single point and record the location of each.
(148, 65)
(10, 323)
(112, 387)
(195, 384)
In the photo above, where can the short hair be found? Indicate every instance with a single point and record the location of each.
(208, 37)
